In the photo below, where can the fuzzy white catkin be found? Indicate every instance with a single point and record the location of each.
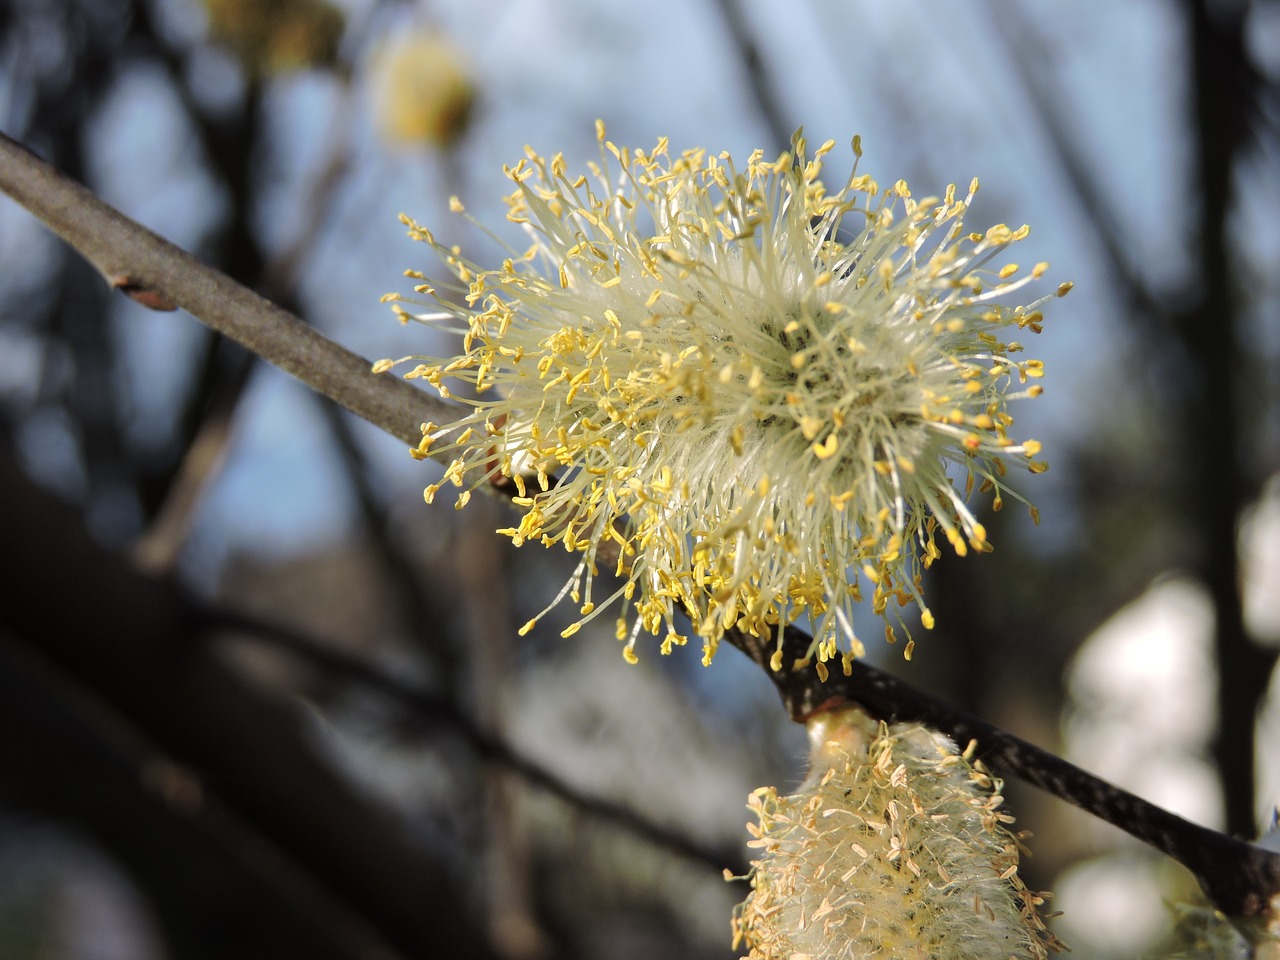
(895, 846)
(678, 319)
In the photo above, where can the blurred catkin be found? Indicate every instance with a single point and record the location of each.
(422, 94)
(277, 36)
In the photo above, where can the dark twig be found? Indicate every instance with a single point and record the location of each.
(748, 52)
(410, 600)
(444, 711)
(1238, 877)
(1027, 56)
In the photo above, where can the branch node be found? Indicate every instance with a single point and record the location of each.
(149, 297)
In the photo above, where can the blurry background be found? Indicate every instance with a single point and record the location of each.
(257, 700)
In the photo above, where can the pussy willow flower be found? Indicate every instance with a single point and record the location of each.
(747, 392)
(895, 846)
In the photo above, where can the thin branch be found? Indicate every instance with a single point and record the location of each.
(1027, 57)
(1238, 877)
(159, 545)
(163, 276)
(753, 65)
(443, 710)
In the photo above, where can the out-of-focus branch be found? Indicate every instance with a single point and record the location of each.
(157, 549)
(484, 597)
(1220, 483)
(1027, 56)
(153, 814)
(444, 711)
(161, 275)
(753, 65)
(411, 602)
(129, 639)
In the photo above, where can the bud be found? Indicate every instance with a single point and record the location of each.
(421, 91)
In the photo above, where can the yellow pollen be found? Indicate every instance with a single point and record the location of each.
(827, 448)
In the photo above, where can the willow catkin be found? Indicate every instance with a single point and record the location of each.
(895, 846)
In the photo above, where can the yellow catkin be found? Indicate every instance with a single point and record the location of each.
(894, 846)
(755, 395)
(421, 91)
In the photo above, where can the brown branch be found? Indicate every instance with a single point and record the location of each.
(159, 274)
(156, 550)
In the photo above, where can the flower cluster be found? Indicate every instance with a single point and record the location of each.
(895, 846)
(745, 393)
